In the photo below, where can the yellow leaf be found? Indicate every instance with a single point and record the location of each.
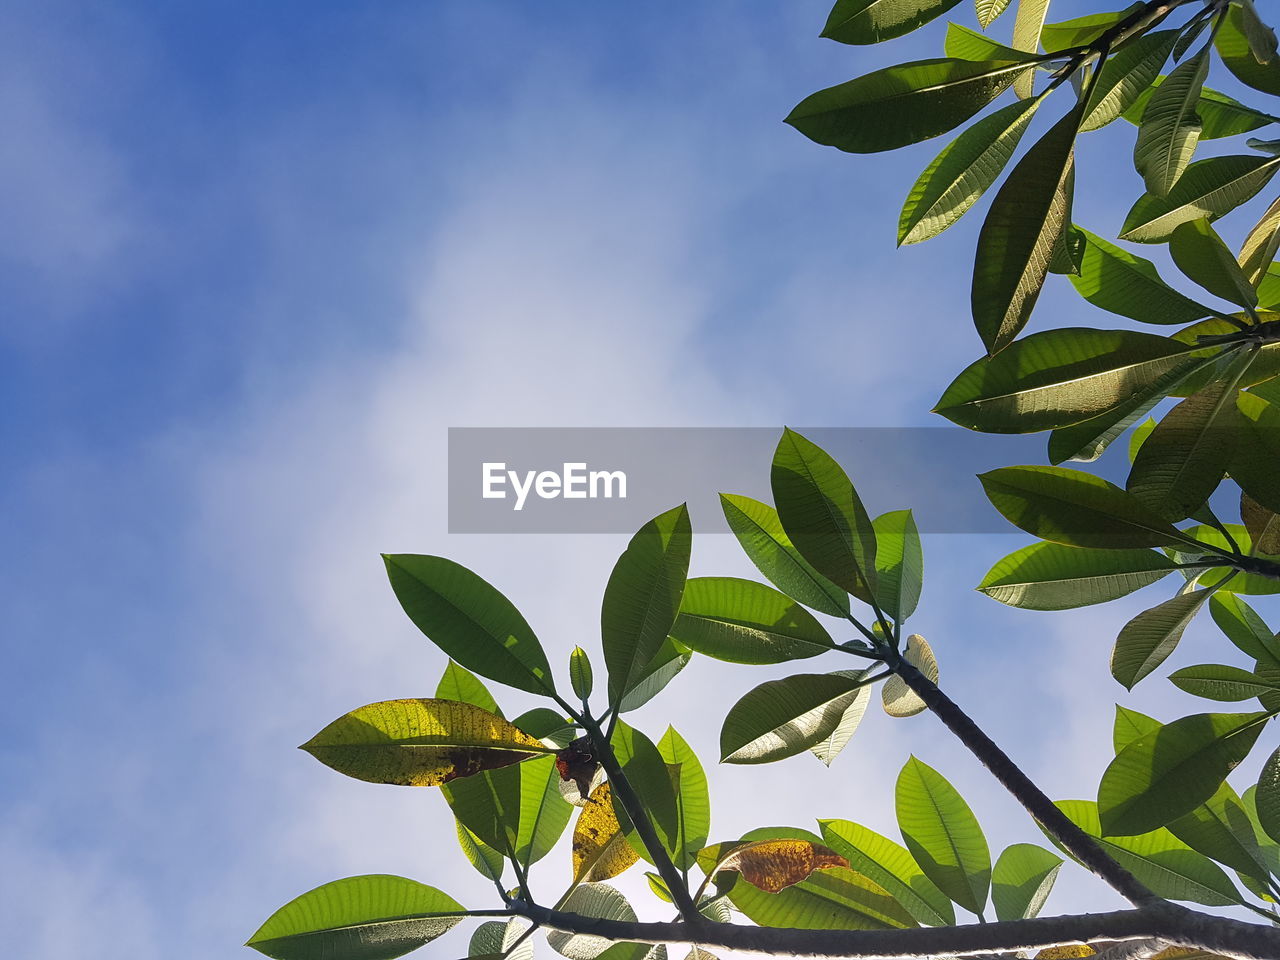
(1069, 952)
(773, 865)
(600, 848)
(899, 699)
(420, 743)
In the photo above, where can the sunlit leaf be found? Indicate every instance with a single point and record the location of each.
(488, 861)
(781, 718)
(469, 620)
(892, 867)
(1220, 115)
(903, 104)
(1208, 188)
(693, 804)
(1261, 245)
(758, 529)
(374, 917)
(642, 598)
(649, 777)
(1129, 726)
(495, 938)
(959, 175)
(1232, 41)
(1170, 771)
(458, 683)
(969, 44)
(871, 21)
(600, 847)
(671, 658)
(1050, 576)
(1253, 465)
(899, 564)
(1060, 377)
(1081, 31)
(1027, 24)
(1021, 880)
(420, 743)
(1075, 508)
(1220, 829)
(1267, 797)
(1263, 525)
(1200, 254)
(1124, 76)
(774, 865)
(1170, 127)
(898, 699)
(746, 622)
(1243, 627)
(1146, 641)
(822, 514)
(1220, 681)
(604, 902)
(1114, 279)
(830, 746)
(943, 835)
(1026, 219)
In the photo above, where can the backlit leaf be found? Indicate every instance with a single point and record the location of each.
(829, 747)
(903, 104)
(1200, 254)
(871, 21)
(1021, 880)
(892, 867)
(693, 804)
(420, 743)
(648, 775)
(1243, 627)
(900, 700)
(1146, 641)
(1261, 246)
(1170, 771)
(1220, 829)
(642, 598)
(1257, 452)
(602, 901)
(580, 673)
(1027, 24)
(1170, 127)
(1267, 797)
(746, 622)
(899, 564)
(374, 917)
(600, 847)
(469, 620)
(1114, 279)
(460, 684)
(988, 10)
(781, 718)
(1208, 188)
(1126, 73)
(1050, 576)
(774, 865)
(943, 835)
(1220, 115)
(1220, 681)
(1232, 41)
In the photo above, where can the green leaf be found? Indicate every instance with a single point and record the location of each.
(1129, 726)
(1026, 220)
(1170, 771)
(1050, 576)
(758, 529)
(943, 835)
(821, 513)
(965, 44)
(604, 902)
(496, 938)
(837, 898)
(1159, 860)
(642, 598)
(781, 718)
(1126, 73)
(903, 104)
(1200, 253)
(1242, 626)
(1218, 681)
(1257, 452)
(693, 803)
(648, 775)
(989, 10)
(458, 683)
(1269, 297)
(1208, 188)
(470, 621)
(962, 172)
(1268, 797)
(829, 747)
(1081, 31)
(898, 699)
(546, 725)
(1262, 39)
(1261, 246)
(1237, 55)
(671, 658)
(1269, 848)
(580, 677)
(1075, 508)
(420, 743)
(1116, 280)
(1021, 880)
(1170, 127)
(1060, 377)
(871, 21)
(899, 564)
(488, 861)
(1220, 115)
(892, 867)
(374, 917)
(1220, 829)
(1027, 23)
(1140, 434)
(742, 621)
(1146, 641)
(1262, 524)
(517, 810)
(1180, 464)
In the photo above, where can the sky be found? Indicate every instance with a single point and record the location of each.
(257, 260)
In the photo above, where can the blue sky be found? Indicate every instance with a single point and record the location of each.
(257, 260)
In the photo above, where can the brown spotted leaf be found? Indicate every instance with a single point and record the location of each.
(600, 848)
(420, 743)
(773, 865)
(1070, 951)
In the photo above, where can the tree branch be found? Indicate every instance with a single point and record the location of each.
(1173, 924)
(1078, 843)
